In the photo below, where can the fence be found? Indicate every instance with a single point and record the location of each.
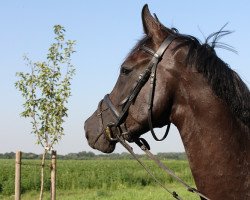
(18, 175)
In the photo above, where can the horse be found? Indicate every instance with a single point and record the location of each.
(170, 77)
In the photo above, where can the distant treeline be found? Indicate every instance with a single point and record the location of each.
(92, 156)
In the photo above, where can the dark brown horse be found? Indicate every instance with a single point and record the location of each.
(196, 91)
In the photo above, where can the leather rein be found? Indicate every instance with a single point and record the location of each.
(119, 124)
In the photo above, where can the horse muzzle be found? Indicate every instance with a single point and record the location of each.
(96, 135)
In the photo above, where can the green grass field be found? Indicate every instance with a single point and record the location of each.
(95, 179)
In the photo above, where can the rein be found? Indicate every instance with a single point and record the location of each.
(142, 143)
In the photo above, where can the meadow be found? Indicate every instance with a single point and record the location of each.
(95, 179)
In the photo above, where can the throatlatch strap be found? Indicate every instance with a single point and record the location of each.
(157, 55)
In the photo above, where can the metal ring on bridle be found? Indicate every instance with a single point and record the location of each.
(109, 133)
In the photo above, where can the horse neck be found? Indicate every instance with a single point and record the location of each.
(216, 144)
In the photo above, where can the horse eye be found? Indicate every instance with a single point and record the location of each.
(125, 71)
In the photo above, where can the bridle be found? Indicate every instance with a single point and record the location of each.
(149, 73)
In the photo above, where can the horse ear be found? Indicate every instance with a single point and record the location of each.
(151, 26)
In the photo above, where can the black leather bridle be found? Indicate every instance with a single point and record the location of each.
(149, 73)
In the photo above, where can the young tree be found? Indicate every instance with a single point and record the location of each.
(46, 90)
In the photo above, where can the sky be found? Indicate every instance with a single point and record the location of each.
(104, 31)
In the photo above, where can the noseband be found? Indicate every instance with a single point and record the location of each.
(149, 73)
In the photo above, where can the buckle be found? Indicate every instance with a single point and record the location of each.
(109, 133)
(142, 143)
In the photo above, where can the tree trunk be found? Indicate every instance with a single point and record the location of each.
(18, 176)
(42, 174)
(53, 176)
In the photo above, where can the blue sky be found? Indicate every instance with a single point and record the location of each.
(105, 32)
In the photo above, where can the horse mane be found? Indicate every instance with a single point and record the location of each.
(224, 81)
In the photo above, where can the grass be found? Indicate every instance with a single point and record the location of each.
(95, 179)
(140, 193)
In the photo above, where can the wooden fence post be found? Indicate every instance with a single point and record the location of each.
(18, 176)
(53, 175)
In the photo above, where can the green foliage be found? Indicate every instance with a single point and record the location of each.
(141, 193)
(91, 174)
(7, 171)
(46, 90)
